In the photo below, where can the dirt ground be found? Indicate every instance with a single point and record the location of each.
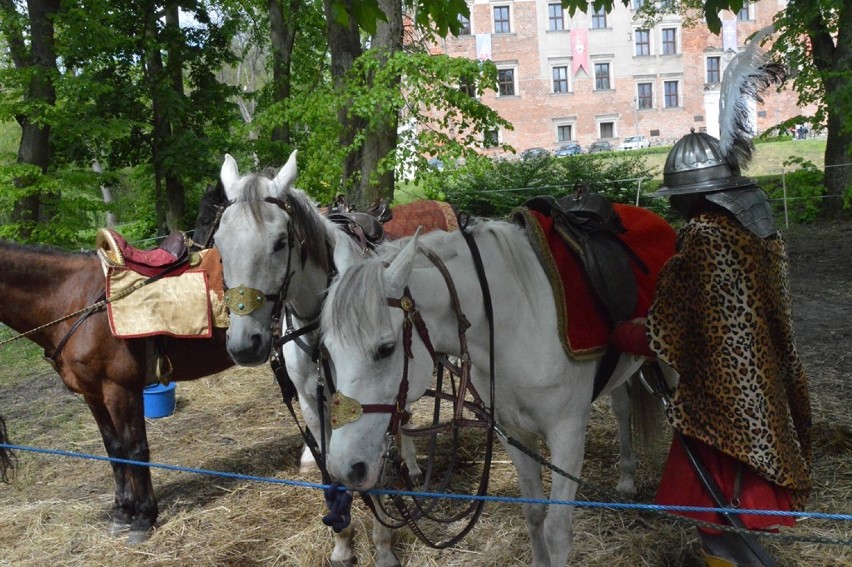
(55, 510)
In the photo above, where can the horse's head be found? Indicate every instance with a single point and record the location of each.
(210, 209)
(364, 334)
(267, 234)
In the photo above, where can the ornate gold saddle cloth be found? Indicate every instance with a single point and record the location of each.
(157, 293)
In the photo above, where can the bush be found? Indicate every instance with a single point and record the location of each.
(493, 187)
(804, 190)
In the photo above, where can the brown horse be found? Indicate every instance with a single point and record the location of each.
(39, 285)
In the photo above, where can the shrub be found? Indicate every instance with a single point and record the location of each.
(493, 187)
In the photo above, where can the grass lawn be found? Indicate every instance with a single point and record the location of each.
(768, 158)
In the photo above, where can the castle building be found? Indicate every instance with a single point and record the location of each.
(603, 76)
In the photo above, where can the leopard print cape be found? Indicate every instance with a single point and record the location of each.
(722, 318)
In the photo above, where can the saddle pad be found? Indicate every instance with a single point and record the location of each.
(582, 325)
(431, 215)
(184, 306)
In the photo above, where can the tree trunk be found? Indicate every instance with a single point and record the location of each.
(283, 31)
(34, 148)
(381, 140)
(105, 193)
(833, 59)
(344, 44)
(175, 191)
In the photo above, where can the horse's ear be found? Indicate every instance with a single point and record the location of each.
(345, 253)
(399, 271)
(229, 176)
(287, 176)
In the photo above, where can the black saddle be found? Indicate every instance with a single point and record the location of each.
(590, 226)
(365, 227)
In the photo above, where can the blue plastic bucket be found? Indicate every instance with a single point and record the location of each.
(159, 400)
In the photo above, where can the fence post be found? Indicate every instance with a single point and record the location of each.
(638, 190)
(784, 192)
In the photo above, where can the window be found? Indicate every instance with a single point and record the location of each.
(669, 41)
(491, 139)
(607, 129)
(560, 79)
(602, 77)
(465, 25)
(644, 95)
(744, 14)
(564, 133)
(555, 19)
(714, 71)
(671, 94)
(638, 4)
(468, 88)
(599, 19)
(501, 19)
(506, 82)
(643, 42)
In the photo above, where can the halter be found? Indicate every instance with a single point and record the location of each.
(243, 300)
(346, 410)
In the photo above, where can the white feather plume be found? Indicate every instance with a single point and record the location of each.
(748, 74)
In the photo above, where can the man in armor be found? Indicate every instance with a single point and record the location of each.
(722, 319)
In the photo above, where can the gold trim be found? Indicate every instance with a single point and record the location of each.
(344, 410)
(242, 300)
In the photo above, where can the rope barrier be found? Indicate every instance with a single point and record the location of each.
(655, 508)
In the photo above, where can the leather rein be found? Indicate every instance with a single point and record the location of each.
(345, 410)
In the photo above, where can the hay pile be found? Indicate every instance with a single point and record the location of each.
(55, 511)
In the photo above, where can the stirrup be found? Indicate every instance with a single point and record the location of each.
(716, 561)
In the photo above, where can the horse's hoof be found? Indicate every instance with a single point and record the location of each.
(119, 528)
(135, 537)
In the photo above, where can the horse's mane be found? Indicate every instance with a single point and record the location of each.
(303, 214)
(361, 292)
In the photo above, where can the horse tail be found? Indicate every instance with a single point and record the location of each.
(648, 421)
(7, 457)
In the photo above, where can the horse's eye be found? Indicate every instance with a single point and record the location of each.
(280, 244)
(385, 351)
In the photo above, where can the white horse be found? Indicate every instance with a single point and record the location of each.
(540, 392)
(278, 252)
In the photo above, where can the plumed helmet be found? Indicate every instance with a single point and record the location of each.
(696, 164)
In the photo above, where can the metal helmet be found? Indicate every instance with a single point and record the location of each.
(696, 165)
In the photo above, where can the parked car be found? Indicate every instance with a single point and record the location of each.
(570, 149)
(534, 153)
(436, 164)
(634, 143)
(600, 146)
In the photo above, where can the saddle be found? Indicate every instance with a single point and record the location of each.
(116, 252)
(365, 227)
(589, 226)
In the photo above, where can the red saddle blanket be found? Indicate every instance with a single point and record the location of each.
(431, 215)
(582, 325)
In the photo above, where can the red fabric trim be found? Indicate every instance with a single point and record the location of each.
(680, 486)
(648, 235)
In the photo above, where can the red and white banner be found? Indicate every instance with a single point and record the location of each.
(580, 49)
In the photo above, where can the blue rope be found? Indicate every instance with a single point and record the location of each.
(330, 489)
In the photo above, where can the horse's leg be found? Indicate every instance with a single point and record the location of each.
(126, 409)
(621, 408)
(343, 554)
(566, 442)
(530, 485)
(382, 535)
(409, 456)
(124, 507)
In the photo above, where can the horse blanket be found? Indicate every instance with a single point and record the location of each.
(583, 326)
(188, 305)
(431, 215)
